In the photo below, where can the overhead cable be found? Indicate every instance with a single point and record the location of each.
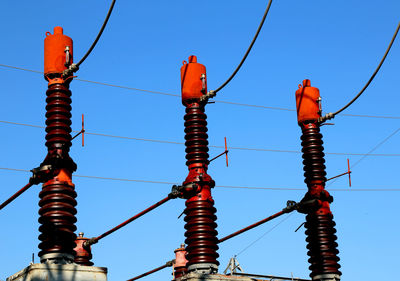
(75, 67)
(220, 186)
(262, 236)
(248, 49)
(332, 115)
(369, 152)
(214, 146)
(217, 101)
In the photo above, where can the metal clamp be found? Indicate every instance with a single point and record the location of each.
(40, 174)
(208, 96)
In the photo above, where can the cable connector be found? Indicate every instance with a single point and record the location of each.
(290, 206)
(179, 191)
(327, 116)
(70, 70)
(90, 242)
(41, 174)
(170, 263)
(208, 96)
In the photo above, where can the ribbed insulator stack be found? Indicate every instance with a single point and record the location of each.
(57, 198)
(320, 227)
(201, 233)
(57, 212)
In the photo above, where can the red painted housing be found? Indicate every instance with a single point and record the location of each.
(307, 102)
(193, 80)
(55, 52)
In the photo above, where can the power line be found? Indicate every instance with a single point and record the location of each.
(75, 67)
(214, 146)
(369, 152)
(332, 115)
(248, 49)
(219, 186)
(262, 236)
(217, 101)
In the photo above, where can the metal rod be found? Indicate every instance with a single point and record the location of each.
(152, 207)
(219, 155)
(271, 277)
(167, 264)
(18, 193)
(348, 172)
(252, 226)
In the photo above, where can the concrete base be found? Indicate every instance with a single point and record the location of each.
(192, 276)
(60, 272)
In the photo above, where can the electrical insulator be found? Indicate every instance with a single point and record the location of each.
(320, 227)
(200, 218)
(58, 53)
(180, 262)
(57, 198)
(308, 102)
(83, 252)
(193, 80)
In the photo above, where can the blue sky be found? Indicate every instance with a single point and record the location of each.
(336, 44)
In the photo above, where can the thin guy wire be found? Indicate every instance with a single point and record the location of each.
(262, 236)
(217, 101)
(369, 152)
(248, 49)
(214, 146)
(373, 75)
(220, 186)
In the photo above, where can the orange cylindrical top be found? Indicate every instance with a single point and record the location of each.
(57, 57)
(193, 80)
(307, 102)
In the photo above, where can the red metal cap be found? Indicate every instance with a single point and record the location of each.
(307, 102)
(58, 52)
(193, 80)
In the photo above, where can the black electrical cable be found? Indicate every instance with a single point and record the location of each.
(248, 50)
(332, 115)
(75, 67)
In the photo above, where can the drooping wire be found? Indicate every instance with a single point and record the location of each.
(259, 106)
(262, 236)
(332, 115)
(213, 146)
(248, 49)
(219, 186)
(75, 67)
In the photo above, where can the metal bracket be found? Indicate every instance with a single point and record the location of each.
(41, 173)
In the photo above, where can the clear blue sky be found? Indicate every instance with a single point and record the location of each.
(336, 44)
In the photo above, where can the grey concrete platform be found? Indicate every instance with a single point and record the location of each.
(60, 272)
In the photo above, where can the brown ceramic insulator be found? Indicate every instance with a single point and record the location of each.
(201, 233)
(179, 271)
(57, 218)
(196, 135)
(322, 246)
(313, 155)
(320, 227)
(58, 114)
(57, 198)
